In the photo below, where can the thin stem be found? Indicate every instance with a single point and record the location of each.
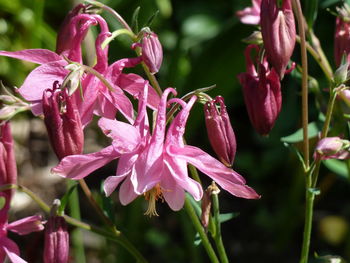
(117, 33)
(321, 61)
(77, 235)
(95, 205)
(98, 75)
(112, 12)
(217, 237)
(198, 226)
(304, 86)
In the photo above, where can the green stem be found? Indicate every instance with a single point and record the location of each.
(117, 33)
(196, 223)
(218, 237)
(77, 235)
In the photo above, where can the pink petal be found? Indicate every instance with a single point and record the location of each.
(26, 225)
(173, 194)
(134, 85)
(79, 166)
(111, 183)
(125, 136)
(11, 249)
(126, 192)
(42, 78)
(38, 56)
(225, 177)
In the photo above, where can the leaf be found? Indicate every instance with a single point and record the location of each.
(336, 166)
(297, 152)
(227, 216)
(151, 19)
(310, 13)
(135, 19)
(297, 136)
(197, 240)
(328, 3)
(65, 198)
(195, 204)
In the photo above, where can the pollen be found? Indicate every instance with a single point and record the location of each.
(152, 196)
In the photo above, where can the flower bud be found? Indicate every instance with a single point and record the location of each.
(332, 148)
(342, 35)
(56, 249)
(62, 122)
(278, 32)
(262, 93)
(250, 15)
(220, 132)
(152, 52)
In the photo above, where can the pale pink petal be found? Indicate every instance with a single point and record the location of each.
(37, 108)
(111, 183)
(26, 225)
(78, 166)
(134, 85)
(125, 136)
(42, 78)
(172, 193)
(225, 177)
(177, 169)
(38, 56)
(11, 249)
(126, 192)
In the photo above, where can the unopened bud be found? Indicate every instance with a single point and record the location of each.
(152, 52)
(341, 74)
(254, 38)
(332, 148)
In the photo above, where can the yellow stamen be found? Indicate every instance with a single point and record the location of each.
(152, 196)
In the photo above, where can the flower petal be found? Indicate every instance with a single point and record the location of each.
(42, 78)
(11, 249)
(111, 183)
(225, 177)
(79, 166)
(173, 194)
(127, 193)
(38, 56)
(26, 225)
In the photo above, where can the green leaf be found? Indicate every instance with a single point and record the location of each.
(65, 198)
(310, 11)
(328, 3)
(195, 204)
(151, 19)
(135, 19)
(227, 216)
(197, 239)
(297, 136)
(336, 166)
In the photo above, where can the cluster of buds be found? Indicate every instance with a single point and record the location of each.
(261, 83)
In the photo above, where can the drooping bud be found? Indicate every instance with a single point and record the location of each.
(56, 249)
(262, 93)
(62, 122)
(332, 148)
(342, 35)
(250, 15)
(152, 52)
(220, 132)
(278, 32)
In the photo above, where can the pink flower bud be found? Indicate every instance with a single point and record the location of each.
(342, 35)
(220, 132)
(278, 32)
(56, 248)
(152, 52)
(332, 148)
(62, 122)
(262, 93)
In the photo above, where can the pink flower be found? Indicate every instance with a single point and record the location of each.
(262, 93)
(332, 148)
(152, 52)
(278, 33)
(342, 35)
(250, 15)
(154, 165)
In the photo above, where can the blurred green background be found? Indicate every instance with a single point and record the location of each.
(202, 46)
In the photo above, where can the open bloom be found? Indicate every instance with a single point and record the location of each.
(262, 93)
(250, 15)
(342, 35)
(278, 33)
(154, 165)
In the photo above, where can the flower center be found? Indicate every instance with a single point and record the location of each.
(152, 196)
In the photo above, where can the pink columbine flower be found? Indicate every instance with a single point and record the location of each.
(262, 93)
(332, 148)
(56, 249)
(220, 132)
(278, 33)
(62, 122)
(152, 52)
(154, 165)
(250, 15)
